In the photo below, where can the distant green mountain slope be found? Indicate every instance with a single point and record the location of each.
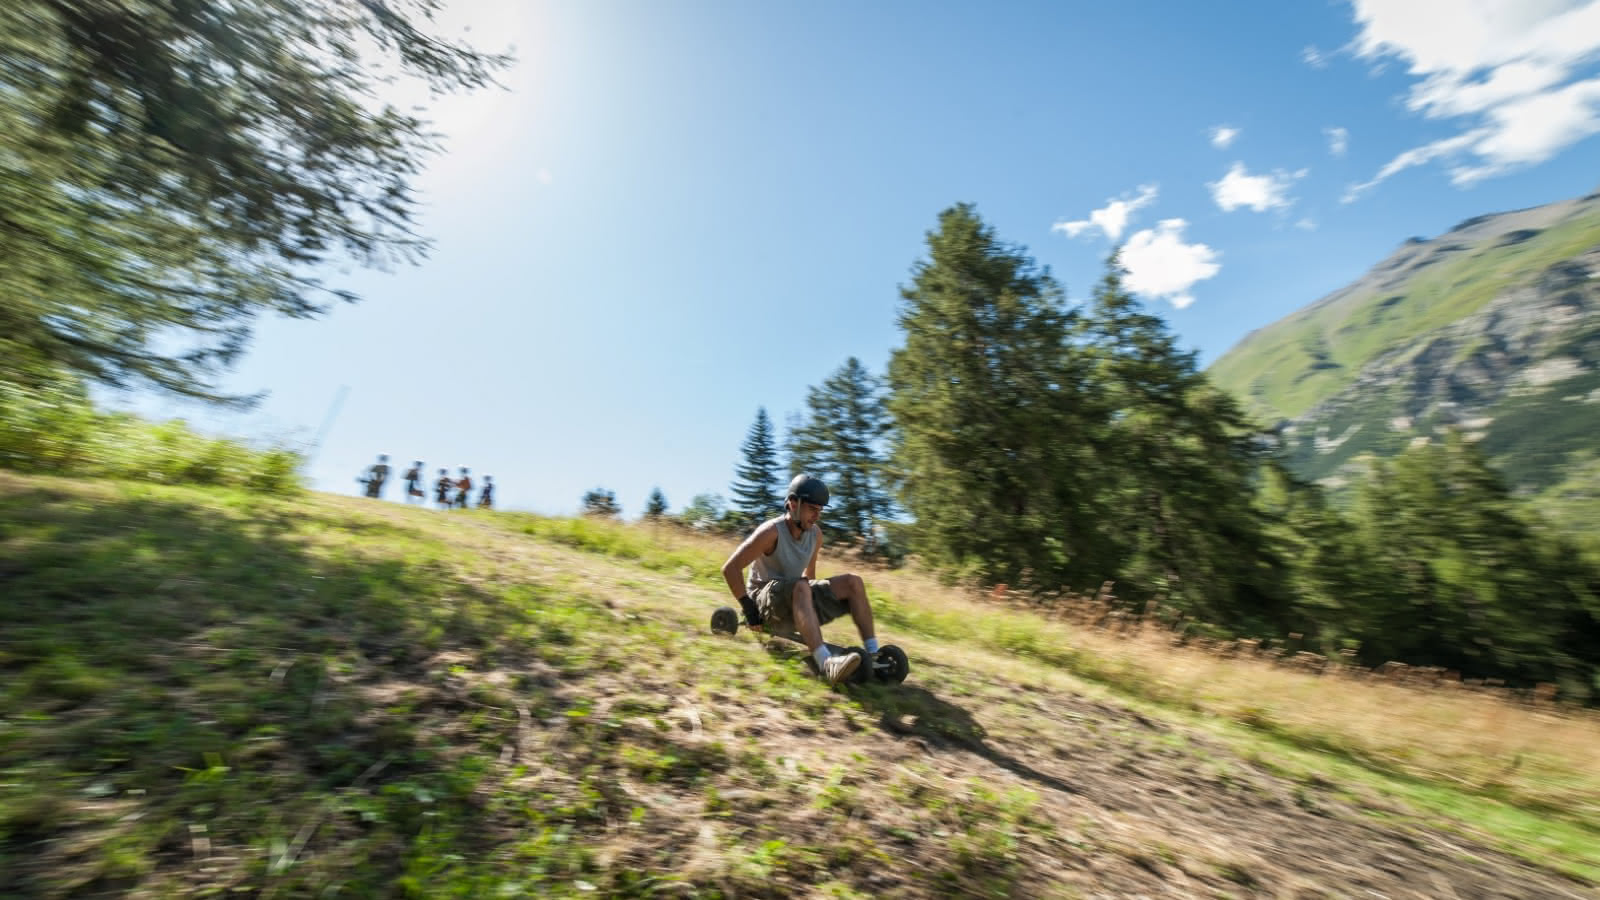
(1492, 328)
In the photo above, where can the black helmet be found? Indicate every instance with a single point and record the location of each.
(810, 489)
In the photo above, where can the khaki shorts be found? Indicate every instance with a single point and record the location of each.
(775, 601)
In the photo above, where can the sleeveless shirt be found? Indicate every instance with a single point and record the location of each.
(788, 559)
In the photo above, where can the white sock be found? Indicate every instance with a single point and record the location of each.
(872, 646)
(821, 654)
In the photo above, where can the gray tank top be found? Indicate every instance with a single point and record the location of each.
(787, 560)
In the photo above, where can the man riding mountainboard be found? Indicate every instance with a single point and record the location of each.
(784, 593)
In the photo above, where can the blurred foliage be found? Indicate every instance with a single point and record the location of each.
(1470, 584)
(168, 171)
(601, 503)
(56, 431)
(707, 512)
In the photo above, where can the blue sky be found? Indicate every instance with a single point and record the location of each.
(678, 212)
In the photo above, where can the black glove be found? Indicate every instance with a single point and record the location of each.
(752, 615)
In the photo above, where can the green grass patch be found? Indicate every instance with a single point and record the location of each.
(618, 541)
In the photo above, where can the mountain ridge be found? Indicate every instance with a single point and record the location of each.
(1492, 328)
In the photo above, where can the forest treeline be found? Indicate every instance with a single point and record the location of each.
(1019, 439)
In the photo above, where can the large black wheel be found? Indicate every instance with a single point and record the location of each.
(891, 666)
(725, 620)
(863, 672)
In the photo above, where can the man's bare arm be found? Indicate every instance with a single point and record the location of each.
(761, 542)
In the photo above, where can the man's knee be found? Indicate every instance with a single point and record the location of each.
(855, 586)
(802, 594)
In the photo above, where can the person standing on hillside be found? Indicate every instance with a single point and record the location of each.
(377, 475)
(785, 594)
(486, 496)
(414, 482)
(441, 489)
(463, 488)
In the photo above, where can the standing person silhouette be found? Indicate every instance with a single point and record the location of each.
(376, 476)
(486, 496)
(441, 489)
(463, 487)
(414, 482)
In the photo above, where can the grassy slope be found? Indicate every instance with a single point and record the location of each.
(206, 691)
(1297, 362)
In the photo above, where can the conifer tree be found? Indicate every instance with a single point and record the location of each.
(1181, 491)
(839, 441)
(173, 170)
(755, 492)
(986, 400)
(656, 506)
(601, 503)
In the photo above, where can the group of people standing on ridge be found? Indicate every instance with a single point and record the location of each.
(447, 492)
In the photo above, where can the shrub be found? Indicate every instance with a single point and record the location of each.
(57, 431)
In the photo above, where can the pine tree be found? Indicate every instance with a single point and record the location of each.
(656, 506)
(755, 492)
(173, 170)
(986, 401)
(839, 442)
(602, 503)
(1181, 494)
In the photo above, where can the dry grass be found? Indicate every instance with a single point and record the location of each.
(1545, 755)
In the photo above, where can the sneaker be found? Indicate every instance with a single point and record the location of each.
(840, 667)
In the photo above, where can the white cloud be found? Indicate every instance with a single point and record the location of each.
(1313, 57)
(1259, 192)
(1414, 157)
(1161, 266)
(1306, 224)
(1338, 140)
(1222, 136)
(1519, 76)
(1113, 217)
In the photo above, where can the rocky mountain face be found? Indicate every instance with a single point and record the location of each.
(1492, 329)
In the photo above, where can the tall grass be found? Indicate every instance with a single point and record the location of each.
(59, 433)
